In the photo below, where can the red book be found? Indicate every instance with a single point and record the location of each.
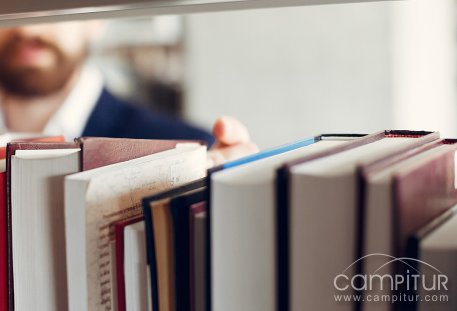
(3, 246)
(120, 279)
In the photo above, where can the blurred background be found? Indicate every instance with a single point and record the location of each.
(293, 72)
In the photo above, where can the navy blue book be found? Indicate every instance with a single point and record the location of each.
(149, 226)
(181, 213)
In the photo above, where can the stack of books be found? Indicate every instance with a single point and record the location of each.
(333, 222)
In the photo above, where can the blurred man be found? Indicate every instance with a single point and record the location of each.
(46, 87)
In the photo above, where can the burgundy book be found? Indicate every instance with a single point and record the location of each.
(419, 193)
(423, 193)
(100, 151)
(197, 240)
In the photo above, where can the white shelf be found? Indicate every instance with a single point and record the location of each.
(32, 11)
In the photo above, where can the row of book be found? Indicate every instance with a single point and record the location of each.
(59, 207)
(333, 222)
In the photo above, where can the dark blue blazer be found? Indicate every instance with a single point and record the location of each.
(113, 117)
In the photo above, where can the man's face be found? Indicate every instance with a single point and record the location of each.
(39, 60)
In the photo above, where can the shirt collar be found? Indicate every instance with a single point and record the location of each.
(71, 118)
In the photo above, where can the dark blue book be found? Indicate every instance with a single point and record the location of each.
(181, 213)
(150, 243)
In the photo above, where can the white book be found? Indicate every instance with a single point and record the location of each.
(322, 228)
(243, 250)
(135, 268)
(97, 198)
(11, 136)
(38, 234)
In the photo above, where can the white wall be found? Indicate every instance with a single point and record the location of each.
(424, 76)
(290, 73)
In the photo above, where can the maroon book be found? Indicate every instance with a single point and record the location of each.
(196, 244)
(419, 193)
(422, 194)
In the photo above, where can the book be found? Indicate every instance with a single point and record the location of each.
(311, 225)
(3, 246)
(96, 198)
(121, 253)
(434, 247)
(158, 237)
(116, 150)
(112, 150)
(363, 175)
(245, 161)
(135, 268)
(400, 198)
(242, 224)
(4, 140)
(322, 213)
(197, 249)
(39, 272)
(181, 212)
(11, 151)
(282, 189)
(162, 279)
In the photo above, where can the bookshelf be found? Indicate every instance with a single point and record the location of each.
(25, 12)
(30, 11)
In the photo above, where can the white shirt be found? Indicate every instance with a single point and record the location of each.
(72, 116)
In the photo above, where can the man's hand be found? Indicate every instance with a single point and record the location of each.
(232, 142)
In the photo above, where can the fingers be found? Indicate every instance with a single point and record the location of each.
(232, 142)
(221, 155)
(230, 131)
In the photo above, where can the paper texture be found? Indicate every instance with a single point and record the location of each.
(116, 196)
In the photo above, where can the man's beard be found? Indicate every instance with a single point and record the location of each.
(27, 81)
